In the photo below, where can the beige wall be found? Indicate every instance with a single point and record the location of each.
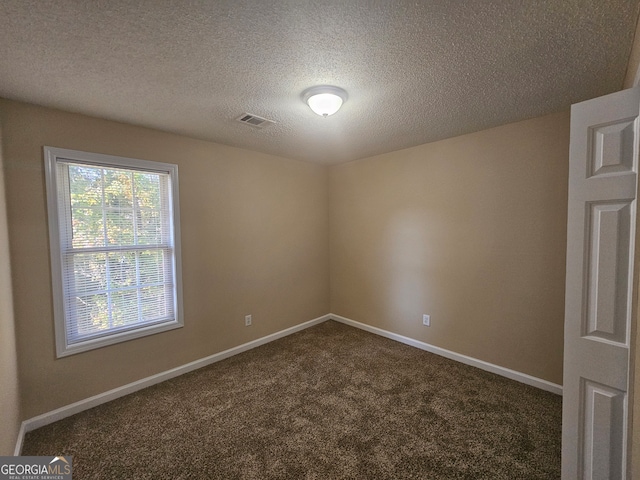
(633, 66)
(254, 241)
(471, 230)
(9, 393)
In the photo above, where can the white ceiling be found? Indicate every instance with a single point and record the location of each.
(415, 71)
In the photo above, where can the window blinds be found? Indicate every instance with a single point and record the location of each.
(116, 247)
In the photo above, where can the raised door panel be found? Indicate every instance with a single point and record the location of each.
(601, 229)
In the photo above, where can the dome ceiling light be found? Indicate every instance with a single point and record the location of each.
(324, 100)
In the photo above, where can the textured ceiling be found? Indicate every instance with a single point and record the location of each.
(415, 71)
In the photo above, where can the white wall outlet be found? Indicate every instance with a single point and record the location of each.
(247, 320)
(426, 320)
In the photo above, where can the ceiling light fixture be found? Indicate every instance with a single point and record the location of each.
(324, 100)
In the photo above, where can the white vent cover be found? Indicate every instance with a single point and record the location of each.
(254, 120)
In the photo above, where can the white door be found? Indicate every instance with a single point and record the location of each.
(598, 308)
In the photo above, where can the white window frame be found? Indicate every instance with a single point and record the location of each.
(52, 156)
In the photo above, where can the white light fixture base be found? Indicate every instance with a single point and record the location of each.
(324, 100)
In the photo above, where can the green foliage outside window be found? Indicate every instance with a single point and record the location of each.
(117, 208)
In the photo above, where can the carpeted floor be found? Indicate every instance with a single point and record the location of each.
(330, 402)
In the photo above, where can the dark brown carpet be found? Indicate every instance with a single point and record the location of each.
(330, 402)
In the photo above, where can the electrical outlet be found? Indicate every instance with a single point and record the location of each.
(426, 320)
(247, 320)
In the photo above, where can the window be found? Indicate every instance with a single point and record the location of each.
(115, 252)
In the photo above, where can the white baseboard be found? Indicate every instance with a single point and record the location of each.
(489, 367)
(77, 407)
(87, 403)
(20, 440)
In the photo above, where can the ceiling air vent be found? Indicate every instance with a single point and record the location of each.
(254, 120)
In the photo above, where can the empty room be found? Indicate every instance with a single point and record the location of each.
(319, 240)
